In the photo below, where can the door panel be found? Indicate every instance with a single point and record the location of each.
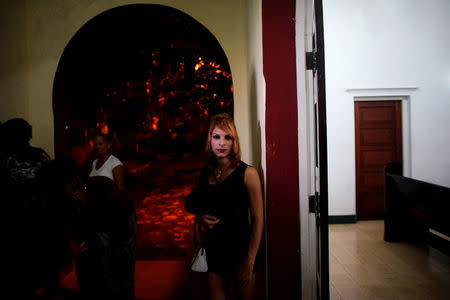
(378, 142)
(378, 116)
(316, 78)
(376, 136)
(375, 159)
(375, 179)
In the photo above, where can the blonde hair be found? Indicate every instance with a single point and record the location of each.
(225, 122)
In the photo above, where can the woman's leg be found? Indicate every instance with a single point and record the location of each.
(216, 287)
(246, 292)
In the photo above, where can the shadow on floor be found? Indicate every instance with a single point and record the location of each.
(154, 280)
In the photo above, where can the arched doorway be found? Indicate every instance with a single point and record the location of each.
(150, 76)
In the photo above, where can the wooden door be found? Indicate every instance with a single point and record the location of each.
(378, 135)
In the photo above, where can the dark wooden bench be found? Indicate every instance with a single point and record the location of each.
(415, 210)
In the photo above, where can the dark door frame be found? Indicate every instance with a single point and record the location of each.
(282, 173)
(282, 185)
(324, 288)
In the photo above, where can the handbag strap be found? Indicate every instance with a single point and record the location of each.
(197, 227)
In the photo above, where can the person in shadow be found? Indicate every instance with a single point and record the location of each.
(106, 263)
(60, 194)
(228, 203)
(19, 164)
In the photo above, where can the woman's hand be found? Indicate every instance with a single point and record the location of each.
(83, 247)
(244, 273)
(208, 221)
(77, 190)
(79, 194)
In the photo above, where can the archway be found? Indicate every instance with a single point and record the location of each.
(150, 76)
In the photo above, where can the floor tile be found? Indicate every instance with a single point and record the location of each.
(364, 266)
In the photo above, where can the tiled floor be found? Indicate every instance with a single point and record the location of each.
(364, 266)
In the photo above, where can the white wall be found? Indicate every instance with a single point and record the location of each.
(387, 44)
(256, 82)
(256, 113)
(13, 61)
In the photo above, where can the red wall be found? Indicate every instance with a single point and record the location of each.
(283, 228)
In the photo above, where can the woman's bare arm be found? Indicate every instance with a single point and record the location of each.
(118, 174)
(253, 184)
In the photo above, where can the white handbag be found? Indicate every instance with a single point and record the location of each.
(199, 261)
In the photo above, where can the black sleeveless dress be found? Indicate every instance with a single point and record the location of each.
(227, 242)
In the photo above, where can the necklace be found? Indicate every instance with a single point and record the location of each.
(218, 172)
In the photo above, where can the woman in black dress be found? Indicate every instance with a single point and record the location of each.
(228, 203)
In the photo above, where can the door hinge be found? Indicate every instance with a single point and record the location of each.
(314, 203)
(311, 61)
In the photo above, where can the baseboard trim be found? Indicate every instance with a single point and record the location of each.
(347, 219)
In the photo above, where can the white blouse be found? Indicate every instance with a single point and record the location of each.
(106, 168)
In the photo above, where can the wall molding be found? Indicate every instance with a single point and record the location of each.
(399, 91)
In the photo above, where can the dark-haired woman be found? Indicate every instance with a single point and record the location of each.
(106, 264)
(228, 203)
(107, 164)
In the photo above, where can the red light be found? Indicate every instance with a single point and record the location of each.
(155, 123)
